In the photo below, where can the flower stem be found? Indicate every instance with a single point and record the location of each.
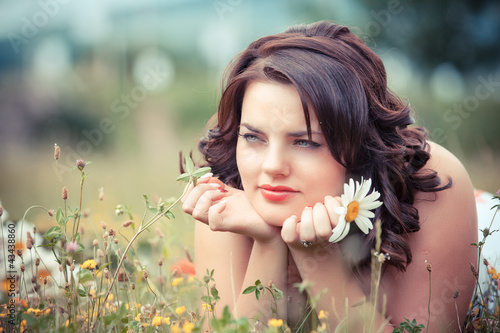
(142, 228)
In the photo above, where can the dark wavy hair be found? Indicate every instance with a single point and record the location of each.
(366, 126)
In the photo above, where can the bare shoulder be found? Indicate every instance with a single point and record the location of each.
(448, 225)
(451, 211)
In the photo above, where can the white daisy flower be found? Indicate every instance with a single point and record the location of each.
(356, 205)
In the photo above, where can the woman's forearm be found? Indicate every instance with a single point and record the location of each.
(268, 263)
(338, 290)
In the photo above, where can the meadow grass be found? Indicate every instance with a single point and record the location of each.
(83, 274)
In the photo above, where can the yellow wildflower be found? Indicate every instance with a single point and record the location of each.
(180, 310)
(187, 327)
(24, 325)
(175, 329)
(322, 314)
(89, 264)
(177, 281)
(207, 307)
(31, 310)
(273, 322)
(156, 321)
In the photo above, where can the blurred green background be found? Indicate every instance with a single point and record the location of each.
(129, 84)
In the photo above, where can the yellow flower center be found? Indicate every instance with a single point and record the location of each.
(352, 211)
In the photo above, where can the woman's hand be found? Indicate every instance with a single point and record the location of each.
(315, 224)
(224, 208)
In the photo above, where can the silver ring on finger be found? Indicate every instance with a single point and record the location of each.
(306, 243)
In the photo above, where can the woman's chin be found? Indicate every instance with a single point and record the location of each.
(276, 220)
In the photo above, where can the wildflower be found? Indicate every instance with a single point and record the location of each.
(177, 281)
(101, 194)
(80, 164)
(95, 243)
(111, 232)
(71, 247)
(180, 310)
(65, 193)
(24, 325)
(207, 307)
(50, 212)
(127, 223)
(158, 321)
(183, 266)
(119, 210)
(273, 322)
(89, 264)
(145, 275)
(160, 262)
(322, 314)
(188, 327)
(57, 151)
(428, 266)
(356, 205)
(100, 254)
(473, 270)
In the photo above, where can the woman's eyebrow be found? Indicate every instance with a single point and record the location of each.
(292, 134)
(250, 128)
(303, 133)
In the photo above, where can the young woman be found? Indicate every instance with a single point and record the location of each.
(303, 113)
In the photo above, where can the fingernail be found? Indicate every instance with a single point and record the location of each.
(207, 175)
(222, 190)
(328, 197)
(214, 185)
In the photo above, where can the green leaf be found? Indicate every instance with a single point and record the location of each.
(201, 171)
(53, 232)
(249, 290)
(257, 294)
(215, 293)
(84, 275)
(184, 177)
(60, 218)
(82, 293)
(189, 164)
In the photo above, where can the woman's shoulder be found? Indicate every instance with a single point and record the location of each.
(448, 168)
(453, 206)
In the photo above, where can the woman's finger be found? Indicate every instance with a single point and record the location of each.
(192, 198)
(321, 221)
(214, 216)
(330, 204)
(205, 201)
(307, 232)
(289, 230)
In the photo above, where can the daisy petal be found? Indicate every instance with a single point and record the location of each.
(339, 230)
(369, 205)
(366, 213)
(372, 196)
(363, 223)
(363, 190)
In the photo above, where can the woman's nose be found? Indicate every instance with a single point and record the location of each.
(275, 162)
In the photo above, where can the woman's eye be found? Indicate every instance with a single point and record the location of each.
(307, 143)
(249, 137)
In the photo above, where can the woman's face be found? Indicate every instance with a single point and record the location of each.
(281, 170)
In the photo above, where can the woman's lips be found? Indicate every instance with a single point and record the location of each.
(277, 193)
